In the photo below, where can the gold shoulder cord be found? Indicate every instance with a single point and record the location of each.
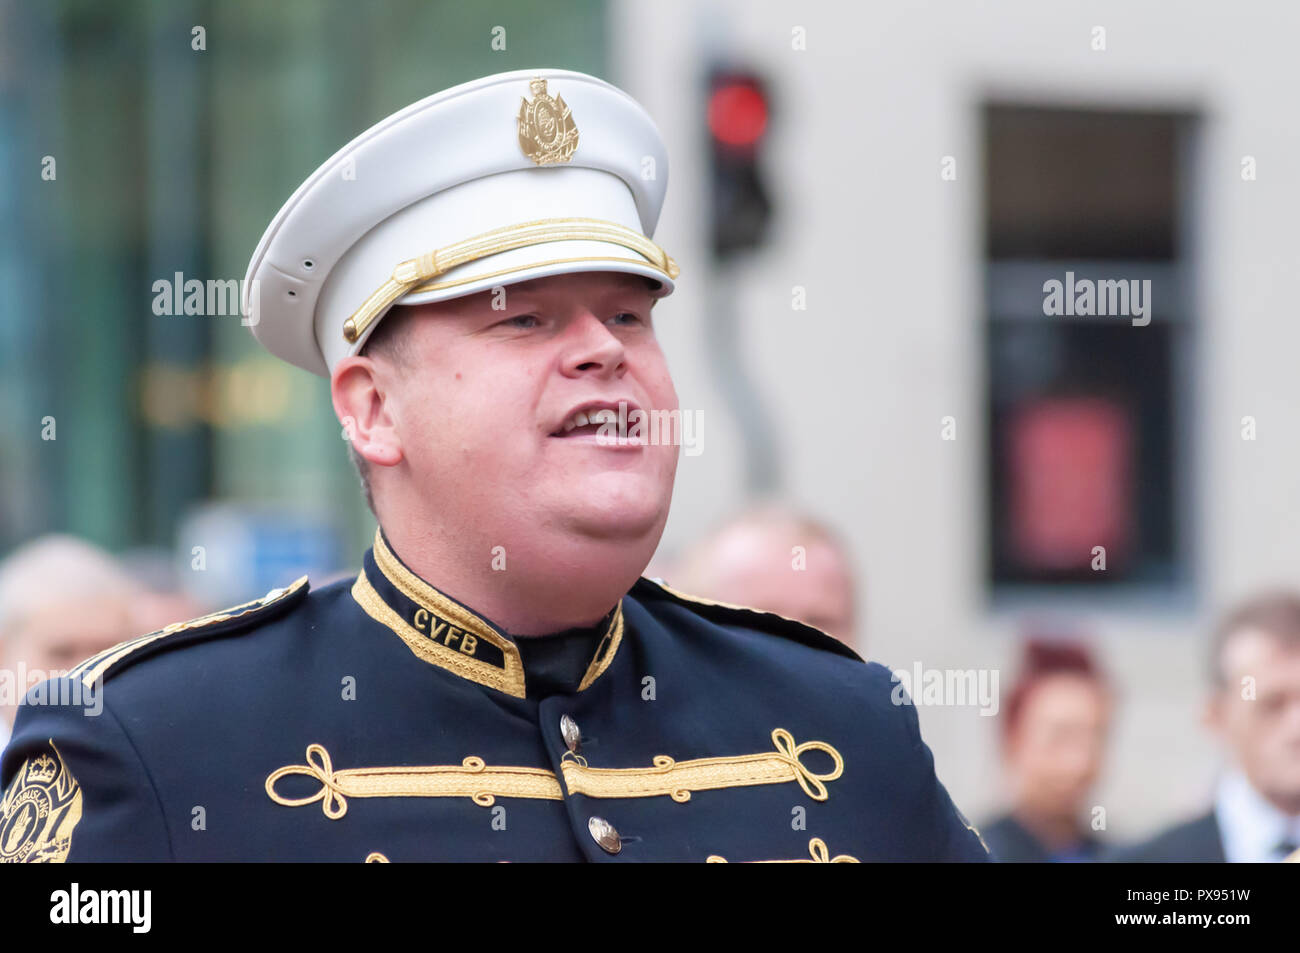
(701, 601)
(97, 665)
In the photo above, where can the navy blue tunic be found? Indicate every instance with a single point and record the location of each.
(381, 720)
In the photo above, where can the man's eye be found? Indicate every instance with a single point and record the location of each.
(625, 317)
(521, 321)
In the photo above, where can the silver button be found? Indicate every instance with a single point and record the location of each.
(570, 733)
(603, 833)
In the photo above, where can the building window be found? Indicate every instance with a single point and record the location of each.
(1089, 319)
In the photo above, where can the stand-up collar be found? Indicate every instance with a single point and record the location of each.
(443, 632)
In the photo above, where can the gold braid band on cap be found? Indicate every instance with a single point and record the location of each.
(416, 271)
(677, 779)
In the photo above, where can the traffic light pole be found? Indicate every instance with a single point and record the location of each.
(723, 341)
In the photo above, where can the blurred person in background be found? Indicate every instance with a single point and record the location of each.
(161, 599)
(779, 560)
(61, 601)
(1054, 743)
(1254, 711)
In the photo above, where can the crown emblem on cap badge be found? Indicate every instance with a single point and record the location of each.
(547, 133)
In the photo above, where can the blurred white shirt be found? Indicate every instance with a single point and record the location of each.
(1252, 829)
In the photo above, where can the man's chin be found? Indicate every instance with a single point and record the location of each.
(614, 507)
(603, 522)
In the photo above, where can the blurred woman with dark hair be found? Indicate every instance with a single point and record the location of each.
(1053, 741)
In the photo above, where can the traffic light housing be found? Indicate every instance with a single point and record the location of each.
(737, 114)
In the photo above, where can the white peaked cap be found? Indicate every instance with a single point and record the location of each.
(515, 176)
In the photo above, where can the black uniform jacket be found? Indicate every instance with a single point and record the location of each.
(381, 720)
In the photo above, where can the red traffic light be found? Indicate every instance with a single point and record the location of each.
(737, 113)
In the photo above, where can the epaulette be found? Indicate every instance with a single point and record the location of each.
(223, 622)
(727, 614)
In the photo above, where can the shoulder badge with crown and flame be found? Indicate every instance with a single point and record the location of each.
(547, 133)
(39, 812)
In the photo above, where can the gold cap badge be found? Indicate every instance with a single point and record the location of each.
(547, 133)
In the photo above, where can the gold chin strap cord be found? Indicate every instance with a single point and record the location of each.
(416, 271)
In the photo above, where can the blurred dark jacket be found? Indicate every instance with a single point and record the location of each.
(243, 716)
(1194, 841)
(1011, 843)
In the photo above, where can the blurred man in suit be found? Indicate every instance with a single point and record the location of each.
(1254, 709)
(773, 558)
(1054, 742)
(61, 600)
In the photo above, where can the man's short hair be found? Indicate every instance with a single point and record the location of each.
(57, 570)
(1276, 614)
(1041, 659)
(389, 341)
(696, 562)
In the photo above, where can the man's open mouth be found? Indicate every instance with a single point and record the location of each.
(595, 418)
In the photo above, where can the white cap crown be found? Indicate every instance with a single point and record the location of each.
(511, 177)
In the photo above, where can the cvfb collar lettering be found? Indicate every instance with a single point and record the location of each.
(443, 632)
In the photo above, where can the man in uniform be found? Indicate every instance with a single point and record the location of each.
(475, 275)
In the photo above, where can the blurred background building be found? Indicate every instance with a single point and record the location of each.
(866, 201)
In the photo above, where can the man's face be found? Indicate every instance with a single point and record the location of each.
(1262, 731)
(481, 404)
(1056, 751)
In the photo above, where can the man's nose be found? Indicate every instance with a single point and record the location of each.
(591, 348)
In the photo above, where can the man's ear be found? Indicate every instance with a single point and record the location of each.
(362, 407)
